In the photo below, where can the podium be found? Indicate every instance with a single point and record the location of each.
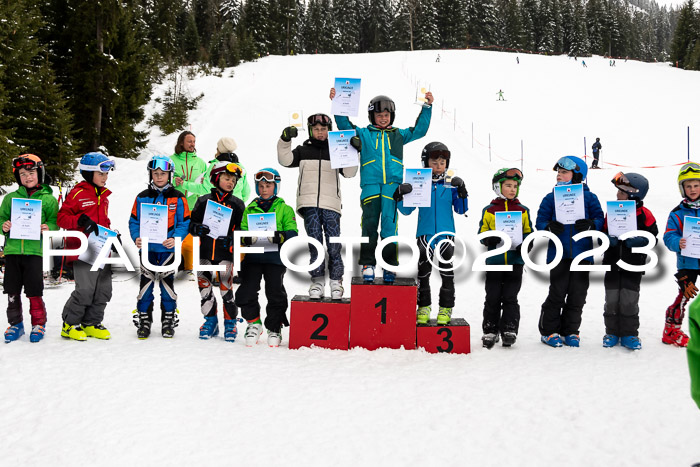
(323, 323)
(383, 315)
(449, 338)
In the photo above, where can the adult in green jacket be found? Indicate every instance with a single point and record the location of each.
(224, 153)
(694, 351)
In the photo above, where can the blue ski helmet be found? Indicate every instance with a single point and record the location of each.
(94, 162)
(576, 165)
(268, 175)
(635, 185)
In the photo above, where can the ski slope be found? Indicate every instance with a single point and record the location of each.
(185, 401)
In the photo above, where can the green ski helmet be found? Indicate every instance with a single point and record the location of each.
(506, 174)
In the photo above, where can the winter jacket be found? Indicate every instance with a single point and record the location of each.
(547, 212)
(286, 225)
(694, 350)
(674, 233)
(188, 167)
(318, 185)
(596, 147)
(381, 159)
(488, 222)
(203, 186)
(438, 216)
(209, 248)
(178, 214)
(49, 209)
(84, 198)
(646, 222)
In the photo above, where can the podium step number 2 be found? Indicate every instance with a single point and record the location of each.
(323, 323)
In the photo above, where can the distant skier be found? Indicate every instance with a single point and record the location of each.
(596, 153)
(500, 95)
(517, 59)
(437, 60)
(583, 62)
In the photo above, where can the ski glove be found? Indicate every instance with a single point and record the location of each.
(278, 238)
(556, 227)
(401, 190)
(687, 286)
(461, 188)
(225, 241)
(289, 133)
(248, 241)
(356, 143)
(635, 242)
(200, 230)
(491, 242)
(89, 226)
(582, 225)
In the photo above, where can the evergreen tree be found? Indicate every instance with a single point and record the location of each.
(190, 45)
(161, 17)
(567, 25)
(481, 23)
(254, 23)
(547, 28)
(579, 39)
(426, 29)
(595, 16)
(347, 32)
(528, 14)
(686, 35)
(452, 23)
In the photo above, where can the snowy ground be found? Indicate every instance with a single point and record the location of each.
(185, 401)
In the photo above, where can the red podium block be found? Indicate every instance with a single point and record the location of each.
(383, 315)
(451, 338)
(323, 323)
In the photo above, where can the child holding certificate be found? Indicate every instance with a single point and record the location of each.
(445, 197)
(84, 209)
(622, 286)
(381, 170)
(501, 308)
(318, 197)
(23, 257)
(561, 312)
(684, 246)
(268, 265)
(175, 222)
(214, 218)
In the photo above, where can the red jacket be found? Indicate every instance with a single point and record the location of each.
(84, 198)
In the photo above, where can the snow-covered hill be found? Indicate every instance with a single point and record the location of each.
(186, 401)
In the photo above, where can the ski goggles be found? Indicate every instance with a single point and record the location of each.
(621, 181)
(690, 167)
(566, 163)
(162, 164)
(26, 163)
(437, 153)
(515, 174)
(104, 166)
(235, 169)
(382, 106)
(266, 176)
(316, 119)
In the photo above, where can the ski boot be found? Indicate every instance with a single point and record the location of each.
(631, 342)
(37, 333)
(610, 340)
(210, 328)
(73, 332)
(142, 321)
(14, 332)
(508, 338)
(274, 339)
(572, 340)
(674, 336)
(389, 277)
(337, 290)
(98, 331)
(230, 329)
(168, 325)
(489, 340)
(252, 334)
(444, 316)
(368, 273)
(552, 340)
(316, 288)
(423, 314)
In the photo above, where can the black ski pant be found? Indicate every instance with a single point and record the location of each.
(247, 294)
(24, 271)
(595, 160)
(562, 310)
(502, 288)
(425, 268)
(621, 313)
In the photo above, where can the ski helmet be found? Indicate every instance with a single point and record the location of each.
(506, 174)
(268, 175)
(635, 185)
(163, 163)
(574, 164)
(320, 119)
(435, 150)
(224, 167)
(227, 157)
(94, 162)
(381, 104)
(689, 171)
(28, 161)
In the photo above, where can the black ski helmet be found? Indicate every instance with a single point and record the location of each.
(381, 104)
(635, 185)
(433, 151)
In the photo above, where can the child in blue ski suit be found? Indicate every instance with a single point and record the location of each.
(381, 169)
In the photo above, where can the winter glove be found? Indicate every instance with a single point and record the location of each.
(356, 143)
(687, 287)
(199, 230)
(613, 241)
(89, 226)
(491, 242)
(248, 241)
(225, 242)
(582, 225)
(556, 227)
(289, 133)
(401, 190)
(635, 242)
(278, 238)
(461, 188)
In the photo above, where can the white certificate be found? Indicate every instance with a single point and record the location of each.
(342, 154)
(154, 222)
(568, 202)
(95, 244)
(347, 97)
(511, 224)
(263, 222)
(691, 233)
(622, 217)
(218, 218)
(25, 216)
(422, 182)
